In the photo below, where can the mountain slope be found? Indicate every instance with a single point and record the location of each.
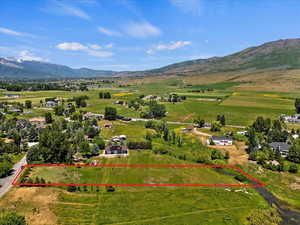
(281, 54)
(11, 68)
(275, 55)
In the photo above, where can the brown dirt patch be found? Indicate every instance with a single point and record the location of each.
(34, 203)
(237, 152)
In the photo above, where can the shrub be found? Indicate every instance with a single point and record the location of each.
(241, 178)
(71, 188)
(140, 145)
(293, 168)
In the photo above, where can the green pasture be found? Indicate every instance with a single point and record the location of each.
(158, 206)
(134, 175)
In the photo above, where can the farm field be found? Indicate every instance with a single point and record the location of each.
(91, 205)
(136, 205)
(134, 175)
(239, 107)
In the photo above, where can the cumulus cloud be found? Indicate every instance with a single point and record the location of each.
(26, 55)
(4, 30)
(171, 46)
(91, 49)
(94, 46)
(71, 46)
(109, 32)
(141, 30)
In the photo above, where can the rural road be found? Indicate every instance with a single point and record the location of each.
(6, 182)
(184, 123)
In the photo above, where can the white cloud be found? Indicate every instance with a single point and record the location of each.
(171, 46)
(91, 49)
(71, 46)
(141, 30)
(109, 45)
(59, 7)
(109, 32)
(99, 53)
(10, 32)
(94, 46)
(29, 56)
(189, 6)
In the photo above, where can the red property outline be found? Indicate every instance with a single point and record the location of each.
(257, 182)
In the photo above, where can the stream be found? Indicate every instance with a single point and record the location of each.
(289, 216)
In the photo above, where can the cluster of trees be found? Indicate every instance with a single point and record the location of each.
(264, 131)
(218, 124)
(59, 142)
(176, 98)
(16, 105)
(68, 110)
(135, 145)
(104, 95)
(154, 110)
(202, 90)
(199, 122)
(30, 86)
(80, 101)
(261, 133)
(84, 188)
(110, 113)
(17, 129)
(137, 103)
(11, 218)
(297, 105)
(5, 164)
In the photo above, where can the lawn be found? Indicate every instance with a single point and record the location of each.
(158, 206)
(134, 175)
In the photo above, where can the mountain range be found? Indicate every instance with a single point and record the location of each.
(275, 55)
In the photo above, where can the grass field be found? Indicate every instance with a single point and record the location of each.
(158, 206)
(135, 205)
(240, 107)
(134, 175)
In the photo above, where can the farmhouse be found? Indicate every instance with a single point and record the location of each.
(39, 122)
(222, 140)
(242, 132)
(51, 103)
(108, 125)
(16, 110)
(90, 115)
(12, 96)
(291, 118)
(283, 147)
(116, 150)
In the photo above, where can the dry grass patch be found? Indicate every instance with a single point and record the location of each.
(33, 202)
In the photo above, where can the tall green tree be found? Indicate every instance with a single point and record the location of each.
(12, 219)
(110, 113)
(297, 105)
(28, 104)
(48, 117)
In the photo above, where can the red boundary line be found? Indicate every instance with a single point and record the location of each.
(258, 182)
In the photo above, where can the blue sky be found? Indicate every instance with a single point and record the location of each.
(140, 34)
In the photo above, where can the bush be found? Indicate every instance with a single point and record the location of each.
(140, 145)
(293, 168)
(110, 188)
(12, 219)
(241, 178)
(71, 188)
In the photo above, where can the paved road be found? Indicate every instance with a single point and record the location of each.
(6, 182)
